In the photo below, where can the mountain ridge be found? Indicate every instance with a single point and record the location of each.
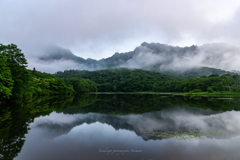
(158, 57)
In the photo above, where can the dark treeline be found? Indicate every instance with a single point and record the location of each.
(142, 103)
(18, 82)
(204, 84)
(137, 80)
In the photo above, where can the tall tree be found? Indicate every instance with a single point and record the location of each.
(17, 64)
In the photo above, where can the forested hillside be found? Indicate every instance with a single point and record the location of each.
(137, 80)
(121, 80)
(205, 84)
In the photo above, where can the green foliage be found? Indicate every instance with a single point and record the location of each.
(214, 75)
(220, 86)
(16, 63)
(195, 90)
(137, 80)
(118, 80)
(210, 90)
(51, 86)
(82, 85)
(235, 88)
(216, 83)
(6, 82)
(185, 89)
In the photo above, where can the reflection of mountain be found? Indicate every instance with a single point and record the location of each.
(148, 107)
(178, 121)
(160, 57)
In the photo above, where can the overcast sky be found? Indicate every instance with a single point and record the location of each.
(99, 28)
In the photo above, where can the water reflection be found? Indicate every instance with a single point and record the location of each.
(121, 127)
(100, 135)
(15, 118)
(142, 103)
(178, 119)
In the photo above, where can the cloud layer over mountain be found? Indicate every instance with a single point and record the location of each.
(97, 29)
(149, 56)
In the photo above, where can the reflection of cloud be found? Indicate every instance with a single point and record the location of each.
(180, 118)
(62, 119)
(89, 131)
(85, 140)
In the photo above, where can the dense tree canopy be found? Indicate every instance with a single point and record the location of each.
(17, 63)
(122, 80)
(6, 82)
(205, 84)
(131, 80)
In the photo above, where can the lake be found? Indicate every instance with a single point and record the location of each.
(122, 127)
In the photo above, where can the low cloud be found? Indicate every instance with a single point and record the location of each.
(144, 58)
(216, 55)
(53, 66)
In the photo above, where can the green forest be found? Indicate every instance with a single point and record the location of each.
(119, 80)
(138, 80)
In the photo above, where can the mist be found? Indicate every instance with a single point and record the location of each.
(216, 55)
(53, 66)
(170, 119)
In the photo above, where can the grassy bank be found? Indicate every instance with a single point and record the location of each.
(225, 94)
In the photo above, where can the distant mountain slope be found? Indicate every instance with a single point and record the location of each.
(177, 61)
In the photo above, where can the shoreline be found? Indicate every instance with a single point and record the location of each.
(175, 93)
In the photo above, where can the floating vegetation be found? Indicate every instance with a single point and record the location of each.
(185, 134)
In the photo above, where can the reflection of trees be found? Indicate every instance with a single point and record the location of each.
(141, 103)
(12, 137)
(14, 120)
(79, 101)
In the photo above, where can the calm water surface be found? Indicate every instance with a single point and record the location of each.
(134, 127)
